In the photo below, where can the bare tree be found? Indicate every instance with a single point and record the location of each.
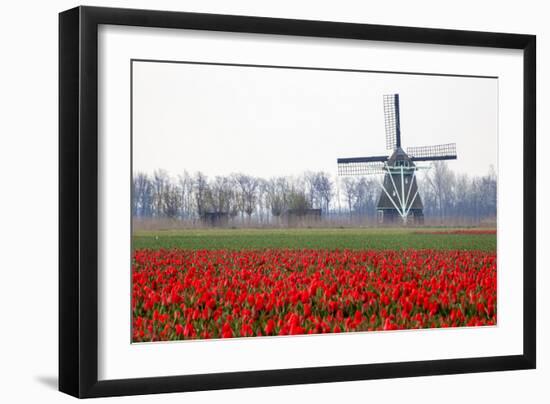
(366, 196)
(350, 192)
(248, 190)
(488, 193)
(262, 199)
(221, 192)
(160, 182)
(277, 194)
(201, 190)
(171, 200)
(298, 200)
(442, 180)
(142, 200)
(310, 189)
(323, 189)
(186, 190)
(462, 191)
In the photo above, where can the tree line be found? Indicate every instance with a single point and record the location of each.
(250, 199)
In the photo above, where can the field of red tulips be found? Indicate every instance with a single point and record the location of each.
(222, 293)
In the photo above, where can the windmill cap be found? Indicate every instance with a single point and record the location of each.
(399, 154)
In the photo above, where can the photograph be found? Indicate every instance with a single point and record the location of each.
(272, 201)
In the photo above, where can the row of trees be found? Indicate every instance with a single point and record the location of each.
(239, 195)
(447, 195)
(249, 199)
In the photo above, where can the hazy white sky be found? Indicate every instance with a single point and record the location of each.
(270, 122)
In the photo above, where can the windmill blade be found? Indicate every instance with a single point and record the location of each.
(392, 121)
(361, 165)
(435, 152)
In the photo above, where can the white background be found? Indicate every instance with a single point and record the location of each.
(28, 163)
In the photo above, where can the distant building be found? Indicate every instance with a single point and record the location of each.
(215, 219)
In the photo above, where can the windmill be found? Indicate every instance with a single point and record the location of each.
(399, 198)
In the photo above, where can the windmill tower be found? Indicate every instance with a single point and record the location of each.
(399, 199)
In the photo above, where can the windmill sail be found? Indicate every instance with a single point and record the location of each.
(361, 165)
(392, 121)
(435, 152)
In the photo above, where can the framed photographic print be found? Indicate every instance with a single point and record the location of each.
(250, 201)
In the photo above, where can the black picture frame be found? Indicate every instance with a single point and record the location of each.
(78, 200)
